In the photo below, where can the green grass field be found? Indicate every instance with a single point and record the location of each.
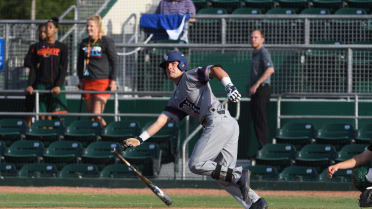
(12, 200)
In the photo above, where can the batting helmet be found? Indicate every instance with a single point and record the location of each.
(172, 56)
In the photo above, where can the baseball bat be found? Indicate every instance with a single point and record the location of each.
(157, 191)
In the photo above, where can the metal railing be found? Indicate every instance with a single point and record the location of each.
(352, 98)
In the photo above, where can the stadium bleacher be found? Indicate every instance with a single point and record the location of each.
(75, 143)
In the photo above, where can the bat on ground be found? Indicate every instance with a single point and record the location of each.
(157, 191)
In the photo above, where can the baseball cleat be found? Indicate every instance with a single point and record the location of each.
(259, 204)
(365, 199)
(244, 184)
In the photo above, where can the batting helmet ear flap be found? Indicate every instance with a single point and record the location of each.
(182, 66)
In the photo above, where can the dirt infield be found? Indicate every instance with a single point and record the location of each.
(87, 190)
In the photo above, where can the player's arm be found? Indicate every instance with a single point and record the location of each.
(268, 72)
(355, 161)
(32, 74)
(149, 132)
(232, 92)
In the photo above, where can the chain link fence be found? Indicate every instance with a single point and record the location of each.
(309, 52)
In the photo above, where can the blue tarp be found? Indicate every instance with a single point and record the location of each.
(170, 25)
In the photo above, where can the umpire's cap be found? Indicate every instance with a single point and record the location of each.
(172, 56)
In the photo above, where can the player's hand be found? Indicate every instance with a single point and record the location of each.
(131, 142)
(331, 170)
(29, 90)
(253, 89)
(56, 90)
(233, 93)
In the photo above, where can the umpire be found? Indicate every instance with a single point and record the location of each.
(261, 69)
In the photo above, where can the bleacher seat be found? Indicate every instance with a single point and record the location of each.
(362, 58)
(148, 155)
(265, 4)
(12, 129)
(37, 170)
(280, 31)
(350, 11)
(8, 170)
(239, 30)
(350, 150)
(364, 134)
(299, 173)
(320, 155)
(331, 4)
(199, 4)
(63, 152)
(315, 11)
(335, 133)
(46, 131)
(298, 4)
(168, 141)
(296, 133)
(85, 131)
(207, 30)
(3, 148)
(99, 153)
(346, 30)
(24, 151)
(229, 5)
(276, 155)
(247, 11)
(80, 170)
(264, 172)
(119, 130)
(212, 11)
(282, 11)
(359, 3)
(342, 175)
(119, 170)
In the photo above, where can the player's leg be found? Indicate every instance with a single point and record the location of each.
(259, 104)
(213, 139)
(99, 107)
(60, 104)
(242, 191)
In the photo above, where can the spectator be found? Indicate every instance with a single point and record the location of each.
(178, 7)
(97, 67)
(48, 67)
(30, 98)
(261, 69)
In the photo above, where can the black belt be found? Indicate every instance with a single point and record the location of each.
(264, 84)
(205, 120)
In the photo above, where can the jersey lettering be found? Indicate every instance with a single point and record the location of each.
(46, 52)
(188, 104)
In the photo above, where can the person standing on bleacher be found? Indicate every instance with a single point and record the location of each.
(97, 67)
(48, 71)
(30, 98)
(261, 70)
(178, 7)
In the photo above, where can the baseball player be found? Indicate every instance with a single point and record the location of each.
(215, 153)
(361, 176)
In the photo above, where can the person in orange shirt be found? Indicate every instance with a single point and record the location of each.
(97, 67)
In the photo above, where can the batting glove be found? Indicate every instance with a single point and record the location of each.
(132, 142)
(233, 93)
